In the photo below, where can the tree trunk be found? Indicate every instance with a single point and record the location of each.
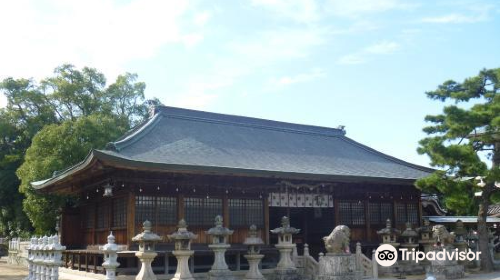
(482, 230)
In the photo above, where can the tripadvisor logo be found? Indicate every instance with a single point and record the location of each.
(387, 255)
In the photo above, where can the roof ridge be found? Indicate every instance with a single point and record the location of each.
(177, 112)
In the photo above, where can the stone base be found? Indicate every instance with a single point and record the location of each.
(286, 274)
(451, 271)
(338, 267)
(221, 275)
(411, 267)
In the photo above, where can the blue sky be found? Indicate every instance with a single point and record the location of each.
(359, 63)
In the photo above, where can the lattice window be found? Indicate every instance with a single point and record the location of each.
(245, 212)
(374, 209)
(358, 213)
(145, 209)
(160, 210)
(380, 212)
(202, 211)
(345, 213)
(119, 212)
(352, 213)
(401, 217)
(89, 216)
(412, 213)
(167, 207)
(386, 212)
(102, 216)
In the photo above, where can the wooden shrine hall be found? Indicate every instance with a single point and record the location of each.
(196, 165)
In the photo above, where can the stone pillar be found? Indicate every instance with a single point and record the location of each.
(182, 238)
(253, 257)
(110, 257)
(146, 253)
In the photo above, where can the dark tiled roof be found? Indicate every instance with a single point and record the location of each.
(195, 138)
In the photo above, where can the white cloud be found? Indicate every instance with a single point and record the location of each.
(351, 59)
(454, 18)
(303, 11)
(103, 34)
(472, 14)
(270, 46)
(382, 48)
(200, 19)
(312, 75)
(362, 56)
(359, 8)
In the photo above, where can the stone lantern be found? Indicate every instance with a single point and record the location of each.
(182, 238)
(146, 253)
(110, 257)
(410, 237)
(286, 268)
(389, 235)
(253, 241)
(425, 236)
(219, 245)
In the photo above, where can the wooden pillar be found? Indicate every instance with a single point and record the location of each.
(180, 207)
(337, 211)
(368, 235)
(420, 213)
(95, 224)
(130, 217)
(394, 211)
(266, 220)
(225, 210)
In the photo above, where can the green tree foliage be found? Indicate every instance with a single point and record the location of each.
(464, 142)
(74, 111)
(56, 147)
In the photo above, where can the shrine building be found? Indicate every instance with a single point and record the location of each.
(196, 165)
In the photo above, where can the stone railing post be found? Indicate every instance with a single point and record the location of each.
(306, 250)
(374, 266)
(358, 256)
(57, 250)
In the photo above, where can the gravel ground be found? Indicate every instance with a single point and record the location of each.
(11, 272)
(14, 272)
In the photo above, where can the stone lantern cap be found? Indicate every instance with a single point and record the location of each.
(285, 227)
(182, 233)
(111, 246)
(146, 235)
(388, 230)
(426, 228)
(253, 239)
(219, 230)
(409, 232)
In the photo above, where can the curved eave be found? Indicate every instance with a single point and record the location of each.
(120, 162)
(86, 163)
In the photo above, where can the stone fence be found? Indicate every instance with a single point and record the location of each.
(44, 258)
(18, 251)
